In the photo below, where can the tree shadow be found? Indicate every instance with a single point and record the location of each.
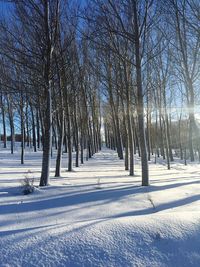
(159, 208)
(94, 196)
(22, 230)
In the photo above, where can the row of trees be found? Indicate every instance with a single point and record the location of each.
(131, 65)
(150, 58)
(47, 82)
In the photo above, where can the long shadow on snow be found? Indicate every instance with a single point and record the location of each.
(161, 207)
(19, 231)
(111, 195)
(65, 200)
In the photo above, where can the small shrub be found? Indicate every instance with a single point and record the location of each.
(98, 183)
(28, 185)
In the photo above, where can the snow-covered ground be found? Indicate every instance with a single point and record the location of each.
(98, 215)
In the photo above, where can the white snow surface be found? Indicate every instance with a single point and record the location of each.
(98, 215)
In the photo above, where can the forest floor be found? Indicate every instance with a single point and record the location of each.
(98, 215)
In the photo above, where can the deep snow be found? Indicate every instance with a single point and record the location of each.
(98, 215)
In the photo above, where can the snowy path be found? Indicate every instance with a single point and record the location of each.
(100, 216)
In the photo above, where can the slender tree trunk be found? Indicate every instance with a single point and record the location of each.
(130, 141)
(12, 128)
(27, 135)
(167, 146)
(69, 143)
(60, 145)
(38, 129)
(140, 105)
(22, 135)
(33, 129)
(180, 139)
(47, 138)
(4, 123)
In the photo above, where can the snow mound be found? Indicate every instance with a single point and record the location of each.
(130, 241)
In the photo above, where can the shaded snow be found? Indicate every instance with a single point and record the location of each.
(99, 216)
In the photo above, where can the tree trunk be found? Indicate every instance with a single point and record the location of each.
(60, 145)
(33, 129)
(47, 137)
(140, 105)
(4, 123)
(22, 135)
